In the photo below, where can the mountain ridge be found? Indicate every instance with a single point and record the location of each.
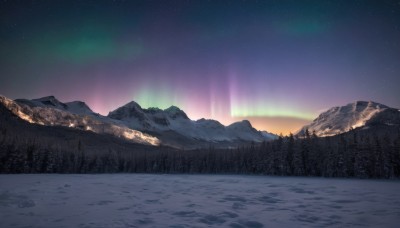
(76, 107)
(358, 114)
(42, 114)
(175, 119)
(150, 126)
(171, 126)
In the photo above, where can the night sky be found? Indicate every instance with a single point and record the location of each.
(276, 63)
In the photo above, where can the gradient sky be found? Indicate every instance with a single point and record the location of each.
(276, 63)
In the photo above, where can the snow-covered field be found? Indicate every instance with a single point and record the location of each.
(144, 200)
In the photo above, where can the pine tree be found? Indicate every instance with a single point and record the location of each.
(290, 154)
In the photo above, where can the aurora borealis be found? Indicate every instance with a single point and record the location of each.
(276, 63)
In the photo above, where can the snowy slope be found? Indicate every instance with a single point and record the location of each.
(53, 115)
(358, 114)
(174, 119)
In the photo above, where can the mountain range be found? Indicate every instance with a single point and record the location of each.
(153, 126)
(172, 127)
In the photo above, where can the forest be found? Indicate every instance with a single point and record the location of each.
(361, 154)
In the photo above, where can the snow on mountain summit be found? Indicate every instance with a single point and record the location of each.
(131, 109)
(175, 112)
(76, 107)
(242, 125)
(337, 120)
(79, 107)
(244, 130)
(49, 100)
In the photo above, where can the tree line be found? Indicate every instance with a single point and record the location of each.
(346, 155)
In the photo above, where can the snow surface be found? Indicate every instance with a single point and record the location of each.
(144, 200)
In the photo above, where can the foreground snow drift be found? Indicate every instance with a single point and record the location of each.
(132, 200)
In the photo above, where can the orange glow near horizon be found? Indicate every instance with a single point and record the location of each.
(276, 125)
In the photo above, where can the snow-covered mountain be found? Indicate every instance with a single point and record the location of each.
(174, 119)
(75, 107)
(354, 115)
(49, 111)
(152, 126)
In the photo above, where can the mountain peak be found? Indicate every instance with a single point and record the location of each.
(51, 99)
(172, 108)
(78, 107)
(175, 112)
(129, 110)
(209, 123)
(337, 120)
(244, 124)
(154, 109)
(132, 105)
(368, 104)
(75, 107)
(48, 101)
(80, 103)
